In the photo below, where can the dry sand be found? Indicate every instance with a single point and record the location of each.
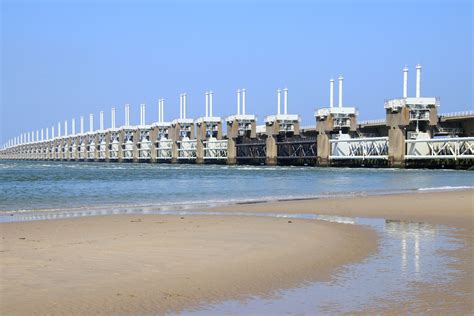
(155, 264)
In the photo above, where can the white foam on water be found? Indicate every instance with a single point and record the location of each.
(447, 188)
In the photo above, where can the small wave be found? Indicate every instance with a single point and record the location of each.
(446, 188)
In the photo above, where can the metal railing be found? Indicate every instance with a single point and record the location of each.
(299, 148)
(367, 122)
(440, 148)
(114, 150)
(128, 150)
(187, 149)
(144, 150)
(215, 149)
(91, 151)
(252, 150)
(359, 148)
(164, 149)
(461, 113)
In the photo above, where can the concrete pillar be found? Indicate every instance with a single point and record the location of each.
(324, 127)
(231, 151)
(75, 155)
(272, 131)
(396, 124)
(232, 133)
(272, 151)
(136, 139)
(107, 146)
(86, 144)
(200, 137)
(323, 149)
(174, 146)
(396, 149)
(153, 136)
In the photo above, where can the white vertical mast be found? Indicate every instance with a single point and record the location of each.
(91, 122)
(181, 106)
(238, 101)
(243, 101)
(101, 120)
(331, 93)
(279, 101)
(127, 115)
(112, 115)
(340, 91)
(210, 103)
(418, 80)
(405, 82)
(184, 105)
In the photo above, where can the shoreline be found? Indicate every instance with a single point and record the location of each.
(157, 209)
(177, 262)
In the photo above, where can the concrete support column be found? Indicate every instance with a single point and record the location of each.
(231, 151)
(97, 147)
(136, 139)
(153, 136)
(323, 150)
(74, 145)
(272, 151)
(232, 133)
(107, 146)
(121, 145)
(174, 136)
(86, 144)
(174, 152)
(396, 124)
(200, 137)
(67, 153)
(396, 147)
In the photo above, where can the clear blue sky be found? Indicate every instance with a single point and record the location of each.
(65, 60)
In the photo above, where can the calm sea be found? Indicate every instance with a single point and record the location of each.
(64, 185)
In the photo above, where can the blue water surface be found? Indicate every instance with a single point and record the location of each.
(34, 185)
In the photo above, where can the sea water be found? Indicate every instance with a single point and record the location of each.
(38, 185)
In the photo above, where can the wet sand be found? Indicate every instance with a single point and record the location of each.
(453, 209)
(128, 264)
(156, 264)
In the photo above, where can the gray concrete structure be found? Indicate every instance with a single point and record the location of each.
(182, 134)
(238, 127)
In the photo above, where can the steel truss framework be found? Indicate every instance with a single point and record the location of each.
(164, 149)
(359, 148)
(252, 150)
(187, 149)
(444, 148)
(303, 148)
(215, 149)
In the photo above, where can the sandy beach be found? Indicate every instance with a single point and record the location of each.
(157, 264)
(150, 264)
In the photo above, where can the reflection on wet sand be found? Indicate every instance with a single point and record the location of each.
(410, 234)
(409, 253)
